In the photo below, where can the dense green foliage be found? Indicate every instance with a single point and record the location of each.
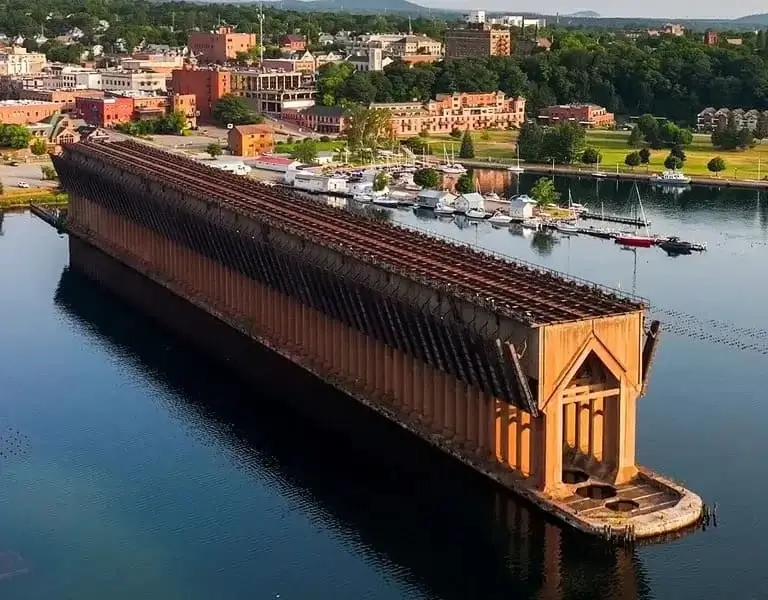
(428, 178)
(214, 149)
(591, 156)
(38, 147)
(716, 165)
(305, 151)
(380, 181)
(670, 77)
(633, 159)
(465, 184)
(467, 149)
(15, 137)
(649, 131)
(544, 192)
(563, 144)
(234, 110)
(168, 125)
(731, 138)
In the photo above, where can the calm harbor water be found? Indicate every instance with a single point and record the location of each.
(131, 466)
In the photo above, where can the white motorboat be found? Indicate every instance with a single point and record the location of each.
(534, 224)
(453, 169)
(499, 218)
(365, 198)
(492, 196)
(387, 201)
(564, 227)
(670, 177)
(474, 213)
(444, 211)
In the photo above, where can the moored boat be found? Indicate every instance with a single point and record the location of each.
(670, 177)
(476, 214)
(564, 227)
(675, 245)
(499, 218)
(444, 211)
(634, 240)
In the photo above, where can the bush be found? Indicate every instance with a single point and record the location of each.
(456, 133)
(325, 139)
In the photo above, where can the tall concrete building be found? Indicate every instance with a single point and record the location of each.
(221, 45)
(477, 40)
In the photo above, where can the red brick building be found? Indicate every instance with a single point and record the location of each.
(207, 85)
(219, 46)
(105, 112)
(587, 115)
(293, 42)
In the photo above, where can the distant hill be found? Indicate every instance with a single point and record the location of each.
(357, 6)
(585, 14)
(761, 19)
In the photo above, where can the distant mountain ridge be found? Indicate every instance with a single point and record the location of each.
(585, 14)
(356, 6)
(758, 19)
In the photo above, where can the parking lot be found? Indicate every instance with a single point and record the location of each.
(27, 173)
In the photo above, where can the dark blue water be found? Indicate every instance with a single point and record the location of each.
(131, 466)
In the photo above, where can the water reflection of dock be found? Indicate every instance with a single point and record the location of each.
(613, 219)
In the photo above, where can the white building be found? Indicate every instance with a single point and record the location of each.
(138, 81)
(72, 77)
(372, 60)
(521, 207)
(17, 61)
(470, 201)
(476, 16)
(314, 182)
(519, 21)
(431, 198)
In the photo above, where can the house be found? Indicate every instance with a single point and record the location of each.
(471, 201)
(431, 198)
(321, 119)
(710, 38)
(521, 207)
(293, 42)
(325, 39)
(56, 130)
(251, 140)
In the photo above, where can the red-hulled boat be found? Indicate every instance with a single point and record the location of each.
(636, 241)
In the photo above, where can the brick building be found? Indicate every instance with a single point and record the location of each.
(64, 98)
(186, 104)
(219, 46)
(588, 115)
(207, 85)
(251, 140)
(293, 42)
(24, 112)
(105, 112)
(473, 111)
(322, 119)
(477, 40)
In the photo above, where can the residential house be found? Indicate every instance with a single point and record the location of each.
(709, 119)
(293, 42)
(251, 140)
(416, 44)
(325, 39)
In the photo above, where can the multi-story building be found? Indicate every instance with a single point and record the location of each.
(73, 77)
(303, 62)
(416, 44)
(16, 60)
(65, 99)
(711, 119)
(219, 46)
(136, 81)
(587, 115)
(185, 104)
(276, 102)
(245, 82)
(250, 140)
(159, 63)
(293, 42)
(472, 111)
(105, 112)
(208, 85)
(24, 112)
(322, 119)
(477, 40)
(370, 60)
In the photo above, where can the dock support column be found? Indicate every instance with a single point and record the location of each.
(548, 431)
(626, 469)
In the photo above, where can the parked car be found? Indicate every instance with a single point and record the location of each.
(23, 184)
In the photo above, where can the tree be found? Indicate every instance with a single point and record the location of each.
(716, 165)
(39, 147)
(368, 128)
(732, 138)
(235, 111)
(428, 178)
(380, 182)
(15, 137)
(761, 132)
(466, 183)
(48, 173)
(564, 144)
(645, 156)
(455, 133)
(305, 151)
(214, 149)
(530, 142)
(648, 126)
(633, 159)
(679, 152)
(467, 149)
(591, 156)
(673, 162)
(544, 192)
(635, 137)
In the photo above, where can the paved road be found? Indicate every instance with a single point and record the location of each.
(29, 173)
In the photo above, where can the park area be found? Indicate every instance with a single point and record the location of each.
(499, 146)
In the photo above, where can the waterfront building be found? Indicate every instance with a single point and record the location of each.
(251, 140)
(588, 115)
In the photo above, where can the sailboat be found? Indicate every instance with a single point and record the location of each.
(598, 172)
(451, 167)
(563, 226)
(516, 168)
(633, 239)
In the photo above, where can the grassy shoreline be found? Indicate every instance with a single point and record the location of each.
(747, 165)
(16, 199)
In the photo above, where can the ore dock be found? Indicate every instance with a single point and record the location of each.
(523, 374)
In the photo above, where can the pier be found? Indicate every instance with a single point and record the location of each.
(613, 219)
(523, 374)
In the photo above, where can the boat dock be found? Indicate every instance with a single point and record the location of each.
(613, 219)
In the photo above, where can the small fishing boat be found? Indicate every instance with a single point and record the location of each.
(444, 211)
(364, 198)
(386, 201)
(566, 228)
(476, 214)
(499, 218)
(675, 245)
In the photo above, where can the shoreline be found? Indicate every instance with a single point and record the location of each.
(540, 169)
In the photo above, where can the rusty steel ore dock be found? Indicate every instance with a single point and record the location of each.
(523, 374)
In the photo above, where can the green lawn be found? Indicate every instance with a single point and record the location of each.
(286, 148)
(499, 146)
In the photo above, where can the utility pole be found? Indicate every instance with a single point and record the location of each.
(261, 35)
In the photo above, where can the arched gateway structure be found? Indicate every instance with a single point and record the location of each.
(528, 376)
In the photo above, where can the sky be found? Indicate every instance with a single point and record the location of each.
(661, 9)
